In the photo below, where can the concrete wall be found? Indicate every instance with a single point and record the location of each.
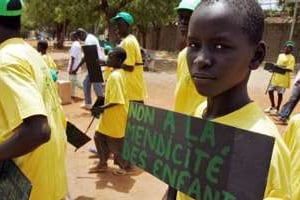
(275, 35)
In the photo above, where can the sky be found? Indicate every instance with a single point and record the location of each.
(269, 4)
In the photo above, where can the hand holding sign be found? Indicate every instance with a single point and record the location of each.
(200, 158)
(76, 137)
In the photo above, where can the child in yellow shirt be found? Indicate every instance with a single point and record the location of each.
(280, 82)
(224, 46)
(111, 129)
(186, 96)
(42, 47)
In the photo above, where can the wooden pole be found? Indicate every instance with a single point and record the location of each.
(294, 20)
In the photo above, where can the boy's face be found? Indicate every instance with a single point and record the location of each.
(288, 49)
(121, 27)
(40, 49)
(183, 20)
(113, 60)
(219, 53)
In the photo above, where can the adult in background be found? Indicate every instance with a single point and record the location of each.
(74, 60)
(89, 39)
(133, 64)
(32, 123)
(289, 106)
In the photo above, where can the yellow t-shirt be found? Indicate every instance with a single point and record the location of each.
(135, 80)
(283, 80)
(250, 117)
(27, 90)
(49, 61)
(113, 120)
(106, 72)
(186, 96)
(292, 139)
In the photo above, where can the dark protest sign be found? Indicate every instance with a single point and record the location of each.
(75, 136)
(13, 184)
(92, 63)
(205, 160)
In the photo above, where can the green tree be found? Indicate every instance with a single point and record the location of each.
(153, 15)
(59, 15)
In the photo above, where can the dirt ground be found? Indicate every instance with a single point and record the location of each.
(105, 186)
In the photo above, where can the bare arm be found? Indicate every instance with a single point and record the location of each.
(128, 67)
(71, 65)
(81, 63)
(33, 132)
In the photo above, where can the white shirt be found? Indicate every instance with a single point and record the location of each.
(92, 40)
(75, 52)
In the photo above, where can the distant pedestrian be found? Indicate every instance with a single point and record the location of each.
(280, 82)
(90, 39)
(75, 56)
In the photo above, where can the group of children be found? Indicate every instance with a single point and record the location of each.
(125, 83)
(224, 44)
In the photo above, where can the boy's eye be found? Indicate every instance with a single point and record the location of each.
(194, 45)
(220, 46)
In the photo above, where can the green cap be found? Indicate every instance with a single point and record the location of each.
(125, 16)
(290, 43)
(188, 4)
(11, 8)
(107, 48)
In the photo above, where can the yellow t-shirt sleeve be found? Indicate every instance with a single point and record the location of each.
(130, 52)
(19, 96)
(50, 62)
(291, 63)
(292, 139)
(278, 185)
(114, 92)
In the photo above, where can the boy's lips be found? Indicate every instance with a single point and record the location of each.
(201, 76)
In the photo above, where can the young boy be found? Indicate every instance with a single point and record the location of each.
(292, 139)
(224, 46)
(133, 64)
(111, 129)
(280, 82)
(74, 60)
(32, 122)
(42, 47)
(106, 71)
(186, 95)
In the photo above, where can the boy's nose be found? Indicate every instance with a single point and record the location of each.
(202, 59)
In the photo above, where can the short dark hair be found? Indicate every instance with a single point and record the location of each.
(120, 53)
(73, 34)
(250, 15)
(11, 22)
(43, 44)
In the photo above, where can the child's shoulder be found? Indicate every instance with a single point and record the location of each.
(116, 74)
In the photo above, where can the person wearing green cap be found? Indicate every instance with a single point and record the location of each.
(186, 96)
(133, 65)
(279, 82)
(32, 123)
(184, 12)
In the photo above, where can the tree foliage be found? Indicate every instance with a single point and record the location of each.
(62, 16)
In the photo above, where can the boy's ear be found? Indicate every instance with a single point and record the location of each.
(259, 55)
